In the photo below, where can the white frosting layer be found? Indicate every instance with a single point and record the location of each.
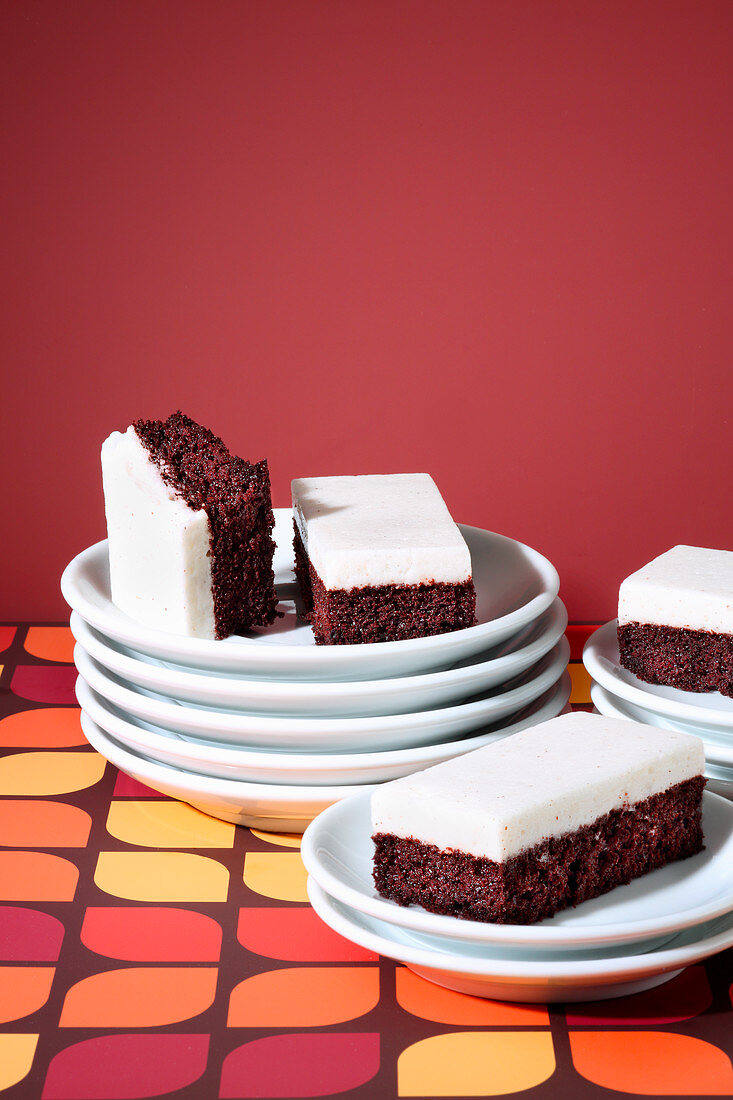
(160, 569)
(548, 780)
(376, 529)
(688, 586)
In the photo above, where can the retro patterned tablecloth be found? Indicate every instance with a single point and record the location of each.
(148, 950)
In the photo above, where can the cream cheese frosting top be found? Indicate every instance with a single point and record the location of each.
(688, 587)
(545, 781)
(159, 563)
(379, 529)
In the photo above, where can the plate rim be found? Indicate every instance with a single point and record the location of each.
(307, 656)
(281, 793)
(538, 649)
(537, 935)
(617, 967)
(618, 706)
(314, 761)
(682, 710)
(555, 660)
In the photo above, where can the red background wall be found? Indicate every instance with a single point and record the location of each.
(490, 240)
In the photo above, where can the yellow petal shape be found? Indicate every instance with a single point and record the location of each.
(31, 773)
(278, 875)
(476, 1063)
(285, 840)
(161, 876)
(16, 1058)
(152, 824)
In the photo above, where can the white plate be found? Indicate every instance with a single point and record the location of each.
(392, 731)
(346, 699)
(337, 851)
(514, 585)
(718, 750)
(252, 765)
(259, 805)
(530, 980)
(601, 659)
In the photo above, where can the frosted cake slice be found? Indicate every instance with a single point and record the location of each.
(675, 620)
(543, 820)
(378, 558)
(189, 528)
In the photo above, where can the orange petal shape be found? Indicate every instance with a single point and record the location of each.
(476, 1063)
(23, 990)
(304, 996)
(652, 1063)
(36, 823)
(49, 727)
(445, 1006)
(580, 684)
(167, 824)
(50, 643)
(16, 1058)
(33, 773)
(36, 876)
(278, 875)
(162, 876)
(139, 997)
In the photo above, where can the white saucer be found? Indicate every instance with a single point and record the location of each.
(504, 979)
(718, 749)
(514, 586)
(260, 805)
(392, 731)
(252, 765)
(601, 659)
(337, 851)
(345, 699)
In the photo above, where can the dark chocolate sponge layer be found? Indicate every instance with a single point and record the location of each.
(560, 872)
(692, 660)
(383, 613)
(235, 495)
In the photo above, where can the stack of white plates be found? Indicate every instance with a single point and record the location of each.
(629, 940)
(617, 693)
(268, 729)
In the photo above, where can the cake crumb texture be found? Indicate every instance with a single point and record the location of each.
(235, 494)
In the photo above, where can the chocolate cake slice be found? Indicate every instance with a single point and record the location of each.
(675, 620)
(378, 558)
(189, 526)
(543, 820)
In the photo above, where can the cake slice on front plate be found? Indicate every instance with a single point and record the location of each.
(189, 528)
(675, 620)
(378, 558)
(547, 818)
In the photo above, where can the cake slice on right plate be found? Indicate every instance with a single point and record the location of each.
(675, 620)
(550, 817)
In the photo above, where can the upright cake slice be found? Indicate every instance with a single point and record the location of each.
(675, 620)
(189, 526)
(545, 819)
(378, 558)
